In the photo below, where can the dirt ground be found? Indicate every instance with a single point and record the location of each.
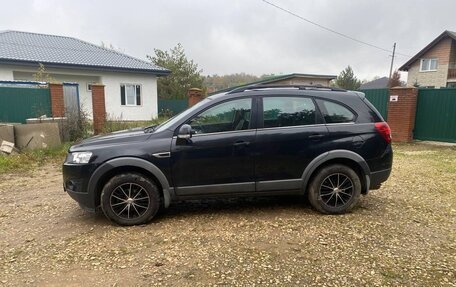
(401, 235)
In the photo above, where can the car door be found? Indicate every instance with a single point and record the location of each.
(290, 134)
(218, 156)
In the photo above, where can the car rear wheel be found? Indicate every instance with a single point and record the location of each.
(335, 189)
(130, 199)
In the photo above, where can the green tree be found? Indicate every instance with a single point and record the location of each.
(395, 80)
(347, 80)
(216, 82)
(184, 73)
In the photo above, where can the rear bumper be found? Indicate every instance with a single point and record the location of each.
(377, 177)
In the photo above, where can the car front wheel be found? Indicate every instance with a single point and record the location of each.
(130, 199)
(335, 189)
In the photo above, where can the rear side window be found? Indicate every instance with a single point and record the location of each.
(335, 113)
(288, 111)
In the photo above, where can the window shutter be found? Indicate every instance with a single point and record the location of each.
(122, 95)
(138, 95)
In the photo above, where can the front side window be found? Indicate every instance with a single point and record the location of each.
(288, 111)
(224, 117)
(429, 64)
(335, 113)
(130, 95)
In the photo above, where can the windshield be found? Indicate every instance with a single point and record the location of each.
(166, 125)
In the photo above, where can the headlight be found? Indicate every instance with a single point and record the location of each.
(79, 157)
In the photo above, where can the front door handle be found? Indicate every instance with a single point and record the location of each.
(241, 143)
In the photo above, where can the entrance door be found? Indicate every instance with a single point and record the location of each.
(71, 98)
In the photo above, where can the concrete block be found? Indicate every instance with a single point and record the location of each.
(61, 121)
(6, 133)
(34, 136)
(7, 147)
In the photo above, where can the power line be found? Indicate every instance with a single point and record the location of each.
(329, 29)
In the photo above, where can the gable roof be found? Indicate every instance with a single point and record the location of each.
(380, 83)
(26, 48)
(442, 36)
(273, 79)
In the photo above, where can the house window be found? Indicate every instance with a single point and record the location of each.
(130, 95)
(89, 87)
(429, 65)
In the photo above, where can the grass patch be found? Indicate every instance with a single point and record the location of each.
(29, 159)
(443, 158)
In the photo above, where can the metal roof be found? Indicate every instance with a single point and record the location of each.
(442, 36)
(380, 83)
(59, 51)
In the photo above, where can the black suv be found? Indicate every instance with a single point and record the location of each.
(328, 144)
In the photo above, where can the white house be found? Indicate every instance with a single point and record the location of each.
(130, 83)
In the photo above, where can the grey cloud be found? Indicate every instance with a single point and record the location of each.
(229, 36)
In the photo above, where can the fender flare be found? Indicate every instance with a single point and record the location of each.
(129, 161)
(324, 157)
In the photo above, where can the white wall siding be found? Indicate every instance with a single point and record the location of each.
(112, 81)
(6, 74)
(148, 108)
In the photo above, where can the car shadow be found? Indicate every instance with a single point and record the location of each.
(238, 206)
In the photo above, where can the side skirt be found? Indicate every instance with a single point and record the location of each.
(260, 188)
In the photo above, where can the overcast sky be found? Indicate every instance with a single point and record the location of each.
(233, 36)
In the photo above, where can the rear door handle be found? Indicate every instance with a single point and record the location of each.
(316, 137)
(241, 143)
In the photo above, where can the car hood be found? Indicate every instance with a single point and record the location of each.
(115, 138)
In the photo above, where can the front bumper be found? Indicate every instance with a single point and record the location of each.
(75, 182)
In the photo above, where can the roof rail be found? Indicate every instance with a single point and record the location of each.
(300, 87)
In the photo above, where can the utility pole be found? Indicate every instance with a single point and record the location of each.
(392, 62)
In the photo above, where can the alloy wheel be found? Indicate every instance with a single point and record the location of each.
(336, 190)
(129, 201)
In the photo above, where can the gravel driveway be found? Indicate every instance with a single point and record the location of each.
(402, 234)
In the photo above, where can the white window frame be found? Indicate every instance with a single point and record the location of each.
(89, 86)
(430, 64)
(140, 95)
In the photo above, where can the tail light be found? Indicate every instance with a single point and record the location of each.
(384, 129)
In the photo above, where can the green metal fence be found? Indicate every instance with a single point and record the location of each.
(175, 106)
(436, 115)
(20, 103)
(378, 98)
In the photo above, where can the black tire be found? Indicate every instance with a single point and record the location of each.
(130, 199)
(335, 189)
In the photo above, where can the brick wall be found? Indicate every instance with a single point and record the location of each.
(194, 96)
(57, 101)
(401, 114)
(437, 78)
(98, 108)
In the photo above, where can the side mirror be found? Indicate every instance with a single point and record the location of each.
(185, 132)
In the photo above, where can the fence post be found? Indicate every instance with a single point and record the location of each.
(194, 96)
(98, 108)
(402, 112)
(57, 101)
